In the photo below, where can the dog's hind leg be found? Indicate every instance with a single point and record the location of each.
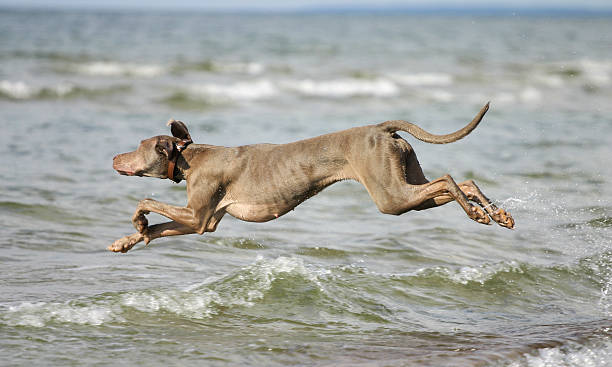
(473, 193)
(396, 183)
(439, 192)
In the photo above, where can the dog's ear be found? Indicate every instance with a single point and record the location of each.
(164, 146)
(179, 130)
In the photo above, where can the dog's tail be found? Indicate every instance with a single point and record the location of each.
(417, 132)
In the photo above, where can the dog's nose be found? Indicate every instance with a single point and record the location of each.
(118, 166)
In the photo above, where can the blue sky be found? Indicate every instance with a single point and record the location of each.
(284, 5)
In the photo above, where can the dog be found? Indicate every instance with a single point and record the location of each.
(262, 182)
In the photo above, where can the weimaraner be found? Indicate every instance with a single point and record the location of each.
(261, 182)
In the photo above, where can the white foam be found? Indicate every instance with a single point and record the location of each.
(107, 68)
(264, 272)
(343, 88)
(440, 95)
(251, 68)
(423, 79)
(42, 313)
(530, 95)
(479, 274)
(195, 305)
(241, 91)
(63, 89)
(605, 301)
(550, 80)
(596, 72)
(17, 90)
(504, 98)
(243, 288)
(21, 90)
(599, 355)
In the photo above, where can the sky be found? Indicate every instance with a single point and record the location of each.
(296, 5)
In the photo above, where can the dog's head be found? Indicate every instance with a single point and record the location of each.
(153, 155)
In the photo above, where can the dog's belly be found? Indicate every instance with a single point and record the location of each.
(256, 212)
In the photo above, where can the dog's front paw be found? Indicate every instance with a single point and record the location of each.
(124, 244)
(140, 222)
(477, 214)
(503, 218)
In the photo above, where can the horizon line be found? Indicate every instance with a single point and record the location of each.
(331, 9)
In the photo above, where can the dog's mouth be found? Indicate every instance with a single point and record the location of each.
(126, 173)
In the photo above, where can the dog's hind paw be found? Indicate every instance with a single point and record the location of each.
(477, 214)
(124, 244)
(503, 218)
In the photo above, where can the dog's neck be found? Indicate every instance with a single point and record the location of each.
(183, 165)
(179, 147)
(178, 169)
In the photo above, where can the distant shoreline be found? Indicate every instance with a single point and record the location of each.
(328, 10)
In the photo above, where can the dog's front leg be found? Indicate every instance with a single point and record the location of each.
(124, 244)
(193, 219)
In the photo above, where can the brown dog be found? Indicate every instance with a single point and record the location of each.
(261, 182)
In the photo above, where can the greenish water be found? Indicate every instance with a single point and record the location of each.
(335, 282)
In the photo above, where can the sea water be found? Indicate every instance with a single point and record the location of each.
(335, 282)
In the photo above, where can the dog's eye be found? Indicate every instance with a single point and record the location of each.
(164, 147)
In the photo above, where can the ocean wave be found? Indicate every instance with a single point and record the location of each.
(242, 288)
(597, 72)
(530, 95)
(527, 95)
(249, 68)
(48, 55)
(593, 354)
(198, 96)
(285, 282)
(16, 90)
(550, 80)
(261, 89)
(440, 95)
(109, 68)
(471, 274)
(19, 90)
(241, 91)
(43, 313)
(464, 275)
(343, 88)
(117, 69)
(423, 79)
(207, 95)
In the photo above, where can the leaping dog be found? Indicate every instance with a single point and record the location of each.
(261, 182)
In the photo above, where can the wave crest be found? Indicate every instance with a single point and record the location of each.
(241, 91)
(595, 353)
(19, 90)
(107, 68)
(243, 288)
(42, 313)
(344, 88)
(472, 274)
(424, 79)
